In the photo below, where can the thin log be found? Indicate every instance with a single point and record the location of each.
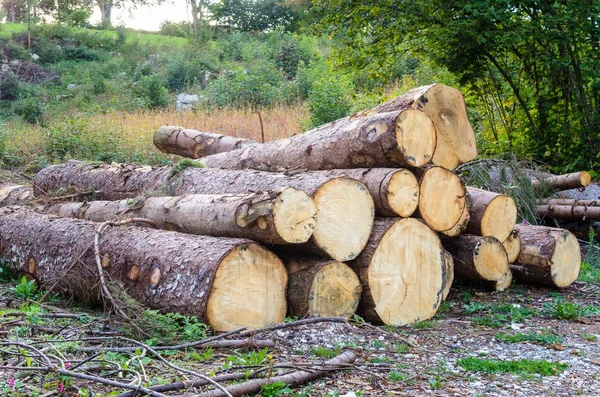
(571, 212)
(492, 214)
(478, 258)
(575, 202)
(573, 180)
(195, 144)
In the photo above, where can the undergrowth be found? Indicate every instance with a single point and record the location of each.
(522, 367)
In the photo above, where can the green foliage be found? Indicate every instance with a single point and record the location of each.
(6, 274)
(326, 352)
(15, 50)
(173, 326)
(31, 109)
(10, 87)
(590, 266)
(25, 289)
(253, 15)
(153, 91)
(275, 389)
(247, 359)
(287, 59)
(564, 310)
(499, 314)
(544, 337)
(330, 99)
(521, 367)
(47, 50)
(177, 29)
(187, 69)
(427, 324)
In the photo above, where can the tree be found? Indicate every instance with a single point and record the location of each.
(253, 15)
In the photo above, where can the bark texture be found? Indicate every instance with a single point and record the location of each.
(574, 180)
(492, 214)
(403, 272)
(15, 194)
(573, 202)
(163, 270)
(549, 256)
(446, 107)
(389, 139)
(478, 258)
(195, 144)
(283, 216)
(581, 212)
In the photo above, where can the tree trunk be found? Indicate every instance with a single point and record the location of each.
(446, 107)
(402, 271)
(443, 200)
(549, 256)
(380, 140)
(395, 191)
(15, 194)
(284, 216)
(345, 209)
(194, 275)
(492, 214)
(321, 288)
(581, 212)
(478, 258)
(195, 144)
(512, 245)
(105, 7)
(572, 202)
(574, 180)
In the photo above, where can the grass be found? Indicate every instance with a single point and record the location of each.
(326, 352)
(499, 314)
(564, 310)
(521, 367)
(545, 338)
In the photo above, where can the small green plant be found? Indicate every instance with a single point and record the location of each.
(378, 344)
(424, 324)
(326, 352)
(545, 337)
(397, 376)
(521, 367)
(32, 109)
(25, 289)
(247, 359)
(473, 307)
(564, 310)
(489, 321)
(590, 266)
(590, 337)
(275, 389)
(443, 309)
(401, 348)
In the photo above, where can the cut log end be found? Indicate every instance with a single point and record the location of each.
(294, 214)
(416, 137)
(248, 290)
(566, 260)
(490, 259)
(442, 199)
(345, 218)
(499, 217)
(403, 193)
(505, 282)
(335, 291)
(512, 245)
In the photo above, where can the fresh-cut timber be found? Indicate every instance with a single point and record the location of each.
(402, 271)
(549, 256)
(345, 209)
(195, 144)
(503, 284)
(462, 223)
(446, 107)
(492, 214)
(449, 262)
(512, 245)
(228, 283)
(395, 191)
(321, 287)
(581, 212)
(15, 194)
(573, 202)
(478, 258)
(399, 138)
(443, 200)
(282, 216)
(574, 180)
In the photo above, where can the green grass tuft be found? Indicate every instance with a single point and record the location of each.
(520, 367)
(544, 338)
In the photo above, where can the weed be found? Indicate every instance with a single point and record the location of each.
(326, 352)
(25, 289)
(380, 360)
(378, 344)
(466, 297)
(590, 337)
(425, 324)
(443, 309)
(473, 307)
(397, 376)
(253, 358)
(543, 338)
(564, 310)
(204, 355)
(521, 367)
(401, 348)
(275, 389)
(590, 267)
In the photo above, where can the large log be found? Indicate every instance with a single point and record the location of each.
(549, 256)
(574, 180)
(321, 287)
(282, 216)
(400, 138)
(195, 144)
(572, 212)
(478, 258)
(228, 283)
(446, 107)
(512, 245)
(345, 209)
(492, 214)
(403, 272)
(15, 194)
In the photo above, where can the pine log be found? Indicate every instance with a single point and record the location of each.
(446, 107)
(574, 180)
(321, 288)
(478, 258)
(492, 214)
(581, 212)
(282, 216)
(402, 271)
(15, 194)
(549, 256)
(228, 283)
(195, 144)
(404, 138)
(345, 209)
(574, 202)
(395, 191)
(443, 200)
(512, 245)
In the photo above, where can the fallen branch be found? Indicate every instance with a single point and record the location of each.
(312, 320)
(223, 344)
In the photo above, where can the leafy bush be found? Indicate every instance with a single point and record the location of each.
(17, 51)
(32, 109)
(82, 54)
(287, 59)
(177, 29)
(153, 92)
(187, 69)
(10, 86)
(48, 51)
(330, 99)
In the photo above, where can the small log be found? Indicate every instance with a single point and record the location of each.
(512, 245)
(399, 138)
(478, 258)
(282, 216)
(403, 272)
(573, 180)
(549, 256)
(321, 288)
(571, 212)
(195, 144)
(573, 202)
(492, 214)
(446, 107)
(194, 275)
(15, 194)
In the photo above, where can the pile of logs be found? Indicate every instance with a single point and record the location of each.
(362, 215)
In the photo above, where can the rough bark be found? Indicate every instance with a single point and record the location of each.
(321, 287)
(171, 271)
(443, 200)
(492, 214)
(478, 258)
(549, 256)
(345, 209)
(446, 107)
(15, 194)
(512, 245)
(395, 191)
(449, 262)
(581, 212)
(402, 271)
(195, 144)
(282, 216)
(574, 180)
(573, 202)
(389, 139)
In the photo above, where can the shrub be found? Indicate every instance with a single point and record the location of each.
(288, 58)
(330, 99)
(17, 51)
(10, 86)
(32, 109)
(177, 29)
(82, 54)
(154, 92)
(48, 51)
(186, 70)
